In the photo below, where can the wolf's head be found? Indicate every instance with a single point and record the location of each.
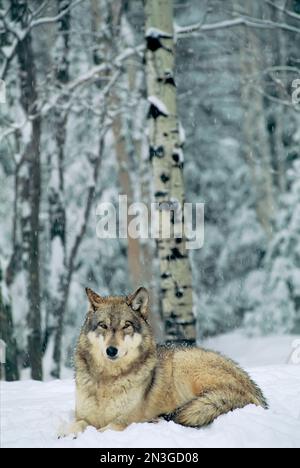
(117, 328)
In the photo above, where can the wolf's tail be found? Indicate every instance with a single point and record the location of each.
(203, 410)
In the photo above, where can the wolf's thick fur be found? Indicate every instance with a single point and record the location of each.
(143, 382)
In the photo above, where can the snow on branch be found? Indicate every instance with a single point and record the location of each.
(157, 34)
(93, 73)
(87, 77)
(54, 19)
(21, 34)
(128, 53)
(186, 31)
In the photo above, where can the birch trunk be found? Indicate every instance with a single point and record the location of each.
(167, 161)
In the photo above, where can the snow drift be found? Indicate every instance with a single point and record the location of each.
(33, 412)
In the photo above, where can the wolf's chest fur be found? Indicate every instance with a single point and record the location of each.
(105, 402)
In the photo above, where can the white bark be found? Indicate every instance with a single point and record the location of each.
(166, 155)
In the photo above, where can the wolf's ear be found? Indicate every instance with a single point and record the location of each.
(139, 301)
(94, 299)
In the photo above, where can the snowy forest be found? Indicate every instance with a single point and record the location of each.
(78, 127)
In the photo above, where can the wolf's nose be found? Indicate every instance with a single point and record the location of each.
(112, 352)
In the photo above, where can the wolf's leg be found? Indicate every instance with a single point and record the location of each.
(73, 429)
(113, 427)
(203, 410)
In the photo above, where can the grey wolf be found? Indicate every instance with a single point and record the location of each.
(123, 377)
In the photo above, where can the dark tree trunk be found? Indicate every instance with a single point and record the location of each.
(60, 313)
(57, 213)
(7, 335)
(29, 103)
(34, 316)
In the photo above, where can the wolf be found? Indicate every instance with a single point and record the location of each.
(123, 377)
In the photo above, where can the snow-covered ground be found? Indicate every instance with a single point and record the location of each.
(32, 412)
(257, 352)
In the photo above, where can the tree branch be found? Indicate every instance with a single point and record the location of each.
(87, 77)
(89, 202)
(40, 8)
(289, 13)
(19, 37)
(187, 31)
(296, 108)
(54, 19)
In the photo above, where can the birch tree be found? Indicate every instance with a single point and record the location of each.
(166, 155)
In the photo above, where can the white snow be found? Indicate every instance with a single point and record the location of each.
(127, 32)
(182, 134)
(32, 412)
(26, 130)
(158, 33)
(5, 292)
(26, 210)
(156, 102)
(255, 352)
(56, 265)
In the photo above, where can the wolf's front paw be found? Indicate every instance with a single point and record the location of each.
(74, 429)
(113, 427)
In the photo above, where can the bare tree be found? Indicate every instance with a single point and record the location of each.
(71, 262)
(111, 16)
(119, 98)
(258, 150)
(57, 211)
(24, 50)
(7, 334)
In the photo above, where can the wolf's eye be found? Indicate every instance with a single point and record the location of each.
(103, 326)
(127, 325)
